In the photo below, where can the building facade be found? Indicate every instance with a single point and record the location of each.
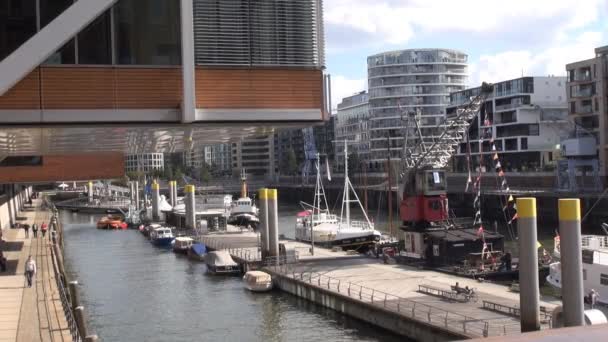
(144, 162)
(255, 156)
(587, 91)
(525, 119)
(352, 125)
(409, 81)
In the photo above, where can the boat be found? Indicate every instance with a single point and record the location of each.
(111, 222)
(257, 281)
(220, 262)
(182, 244)
(595, 267)
(317, 225)
(197, 252)
(162, 236)
(243, 212)
(146, 230)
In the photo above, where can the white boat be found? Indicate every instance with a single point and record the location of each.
(162, 236)
(243, 212)
(595, 267)
(182, 244)
(318, 225)
(257, 281)
(220, 262)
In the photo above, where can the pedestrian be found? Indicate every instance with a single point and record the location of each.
(593, 295)
(35, 230)
(30, 270)
(2, 262)
(43, 229)
(26, 228)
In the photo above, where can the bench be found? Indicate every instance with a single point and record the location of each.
(439, 292)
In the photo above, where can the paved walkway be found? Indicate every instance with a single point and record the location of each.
(30, 314)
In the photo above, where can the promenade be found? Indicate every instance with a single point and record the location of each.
(36, 313)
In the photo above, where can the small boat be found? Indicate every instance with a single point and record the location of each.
(162, 236)
(220, 262)
(257, 281)
(244, 212)
(111, 222)
(197, 252)
(147, 230)
(182, 244)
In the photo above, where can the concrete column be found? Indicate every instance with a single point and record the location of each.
(188, 70)
(528, 265)
(90, 192)
(155, 201)
(263, 204)
(571, 262)
(273, 223)
(136, 188)
(173, 192)
(190, 202)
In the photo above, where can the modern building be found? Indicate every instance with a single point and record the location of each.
(587, 91)
(140, 76)
(352, 125)
(144, 162)
(525, 119)
(255, 156)
(409, 81)
(219, 158)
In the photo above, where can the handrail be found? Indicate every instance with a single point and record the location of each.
(65, 303)
(430, 314)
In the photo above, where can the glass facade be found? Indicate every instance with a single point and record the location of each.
(17, 24)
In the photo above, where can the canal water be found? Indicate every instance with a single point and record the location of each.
(133, 291)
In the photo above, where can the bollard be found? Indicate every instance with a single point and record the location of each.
(571, 262)
(90, 192)
(136, 186)
(273, 224)
(91, 338)
(74, 297)
(190, 207)
(80, 323)
(264, 241)
(528, 265)
(155, 202)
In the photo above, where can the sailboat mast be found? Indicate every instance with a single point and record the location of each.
(346, 185)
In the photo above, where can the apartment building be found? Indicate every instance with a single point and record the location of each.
(352, 124)
(144, 162)
(255, 156)
(525, 119)
(587, 91)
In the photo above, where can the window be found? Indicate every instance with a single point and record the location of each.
(524, 143)
(17, 24)
(94, 43)
(571, 75)
(21, 161)
(49, 10)
(604, 279)
(572, 107)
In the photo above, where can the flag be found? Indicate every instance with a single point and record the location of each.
(493, 147)
(515, 206)
(511, 198)
(504, 183)
(538, 245)
(480, 232)
(495, 156)
(498, 165)
(508, 189)
(469, 181)
(328, 174)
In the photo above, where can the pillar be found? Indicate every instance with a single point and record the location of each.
(90, 192)
(155, 201)
(263, 204)
(173, 192)
(188, 69)
(571, 262)
(528, 265)
(190, 206)
(80, 320)
(136, 186)
(273, 223)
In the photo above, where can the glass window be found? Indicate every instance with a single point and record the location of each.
(17, 24)
(604, 279)
(94, 43)
(524, 143)
(148, 32)
(49, 10)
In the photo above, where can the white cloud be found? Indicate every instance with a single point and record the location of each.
(342, 87)
(550, 61)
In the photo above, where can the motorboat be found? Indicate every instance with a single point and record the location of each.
(147, 230)
(257, 281)
(595, 267)
(317, 225)
(243, 212)
(111, 222)
(220, 262)
(182, 244)
(197, 252)
(162, 236)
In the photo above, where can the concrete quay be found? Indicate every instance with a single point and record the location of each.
(36, 313)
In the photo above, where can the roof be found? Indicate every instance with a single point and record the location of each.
(183, 239)
(220, 258)
(467, 234)
(258, 275)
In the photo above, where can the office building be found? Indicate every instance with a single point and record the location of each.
(144, 162)
(587, 91)
(525, 119)
(352, 125)
(409, 81)
(255, 156)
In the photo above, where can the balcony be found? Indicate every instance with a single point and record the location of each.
(585, 109)
(583, 92)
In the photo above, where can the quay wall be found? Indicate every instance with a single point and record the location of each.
(367, 312)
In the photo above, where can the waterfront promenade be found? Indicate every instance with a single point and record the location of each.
(36, 313)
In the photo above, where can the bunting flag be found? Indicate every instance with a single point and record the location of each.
(511, 199)
(469, 181)
(498, 165)
(515, 206)
(480, 231)
(501, 173)
(503, 184)
(495, 156)
(493, 147)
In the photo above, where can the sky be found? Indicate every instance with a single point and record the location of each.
(503, 38)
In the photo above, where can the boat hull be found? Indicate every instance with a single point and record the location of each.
(162, 242)
(181, 250)
(259, 287)
(244, 220)
(362, 242)
(223, 270)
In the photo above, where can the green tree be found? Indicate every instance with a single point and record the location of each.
(205, 175)
(292, 162)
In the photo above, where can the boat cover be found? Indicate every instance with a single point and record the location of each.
(199, 248)
(164, 205)
(219, 258)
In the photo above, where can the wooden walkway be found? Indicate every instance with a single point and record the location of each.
(36, 313)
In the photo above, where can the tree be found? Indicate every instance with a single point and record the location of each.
(205, 175)
(179, 174)
(292, 163)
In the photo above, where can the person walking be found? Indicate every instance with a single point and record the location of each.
(30, 270)
(593, 298)
(35, 230)
(26, 229)
(43, 228)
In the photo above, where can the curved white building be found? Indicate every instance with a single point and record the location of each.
(409, 81)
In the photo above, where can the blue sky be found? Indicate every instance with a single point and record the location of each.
(502, 38)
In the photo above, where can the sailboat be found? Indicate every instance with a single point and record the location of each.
(318, 225)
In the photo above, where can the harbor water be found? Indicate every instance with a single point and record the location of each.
(133, 291)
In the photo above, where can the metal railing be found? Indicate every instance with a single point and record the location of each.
(429, 314)
(65, 302)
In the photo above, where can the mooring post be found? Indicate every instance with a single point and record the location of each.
(571, 262)
(189, 190)
(91, 338)
(90, 191)
(264, 231)
(74, 297)
(273, 224)
(80, 323)
(528, 265)
(155, 201)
